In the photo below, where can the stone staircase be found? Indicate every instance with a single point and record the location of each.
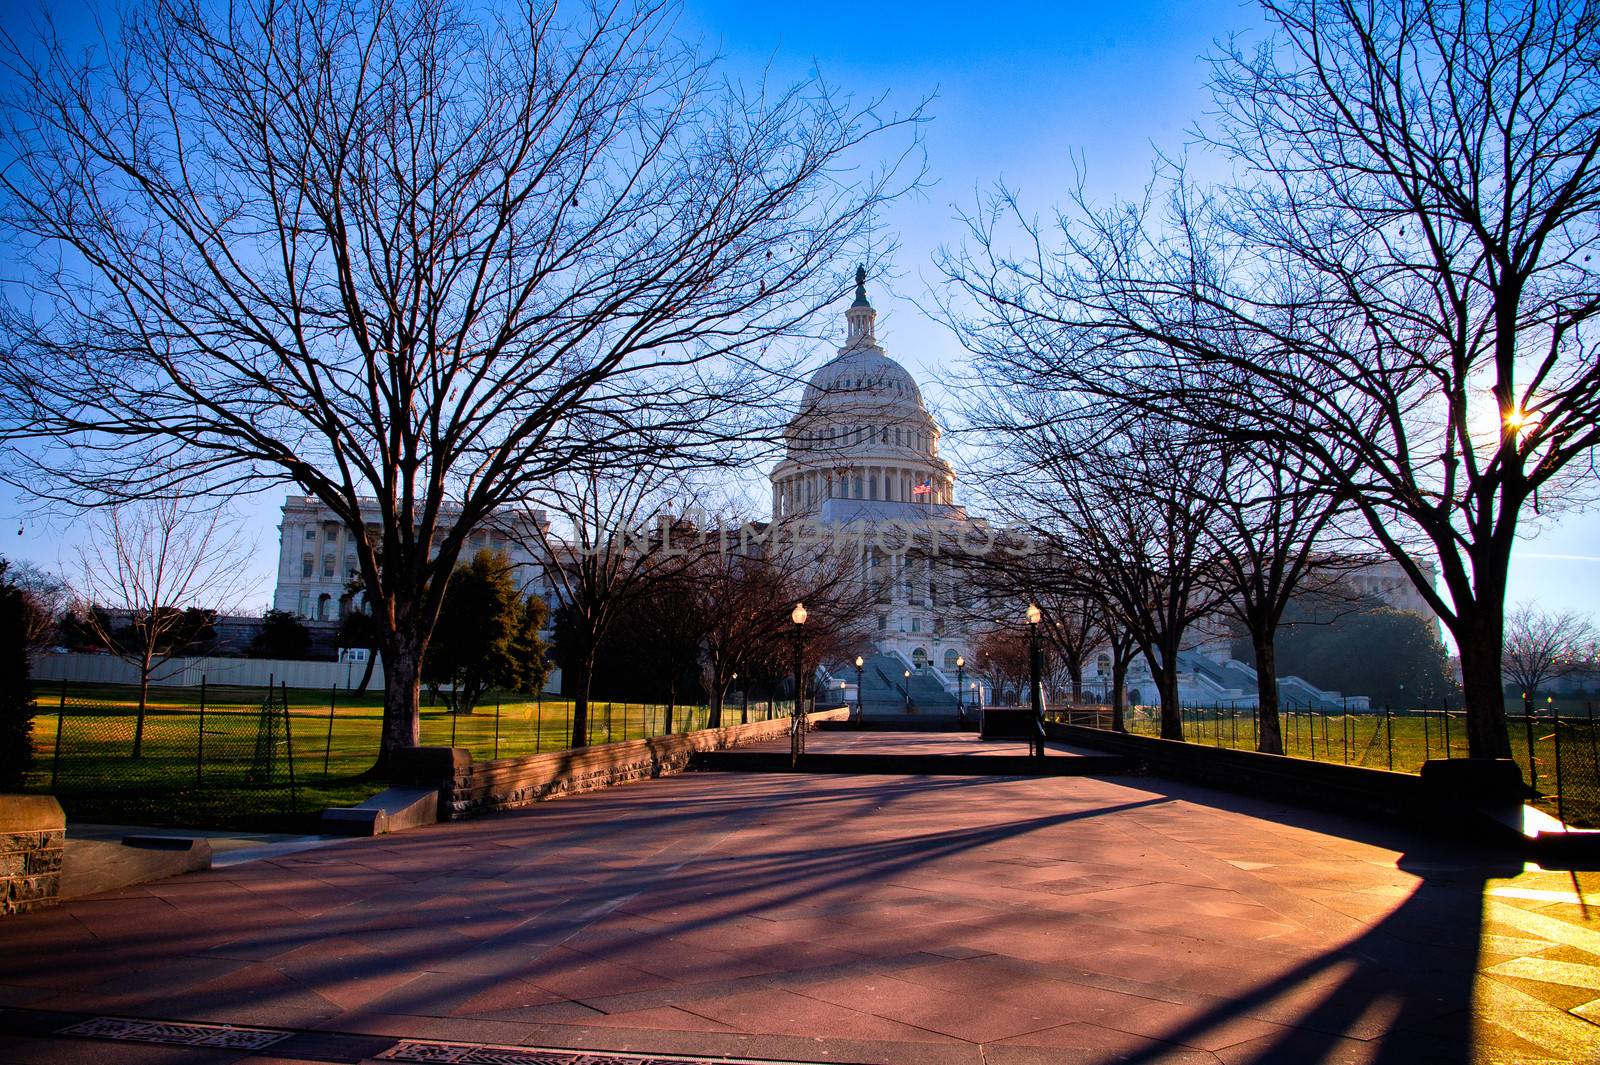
(884, 688)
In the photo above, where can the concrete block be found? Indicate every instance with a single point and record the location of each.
(391, 810)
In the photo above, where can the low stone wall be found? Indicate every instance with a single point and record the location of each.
(467, 788)
(1345, 788)
(32, 837)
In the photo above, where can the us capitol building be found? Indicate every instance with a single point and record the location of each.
(863, 452)
(861, 456)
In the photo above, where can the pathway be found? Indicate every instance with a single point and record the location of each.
(813, 918)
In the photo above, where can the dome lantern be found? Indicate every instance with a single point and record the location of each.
(861, 317)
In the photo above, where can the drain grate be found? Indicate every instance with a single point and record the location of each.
(176, 1033)
(417, 1050)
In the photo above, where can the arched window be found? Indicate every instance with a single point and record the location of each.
(919, 658)
(950, 657)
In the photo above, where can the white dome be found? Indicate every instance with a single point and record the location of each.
(861, 433)
(862, 378)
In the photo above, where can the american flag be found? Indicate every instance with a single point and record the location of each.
(922, 489)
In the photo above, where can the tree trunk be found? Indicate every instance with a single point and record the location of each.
(580, 705)
(1075, 674)
(366, 674)
(714, 716)
(144, 698)
(402, 697)
(1483, 688)
(1119, 694)
(1166, 678)
(1269, 737)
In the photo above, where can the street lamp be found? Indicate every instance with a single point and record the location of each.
(1035, 667)
(905, 690)
(744, 718)
(860, 663)
(961, 710)
(798, 616)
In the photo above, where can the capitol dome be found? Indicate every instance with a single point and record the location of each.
(861, 433)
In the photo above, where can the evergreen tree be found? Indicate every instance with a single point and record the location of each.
(18, 612)
(487, 636)
(282, 635)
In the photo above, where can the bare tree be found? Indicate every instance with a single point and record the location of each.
(46, 598)
(1544, 644)
(613, 545)
(1270, 516)
(411, 259)
(1127, 506)
(1400, 287)
(151, 574)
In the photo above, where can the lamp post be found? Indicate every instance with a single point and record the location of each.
(905, 690)
(1035, 692)
(860, 664)
(798, 616)
(743, 717)
(961, 709)
(797, 721)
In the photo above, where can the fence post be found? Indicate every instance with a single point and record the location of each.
(1447, 752)
(288, 751)
(327, 749)
(497, 724)
(1527, 726)
(1427, 749)
(453, 717)
(1594, 747)
(1388, 728)
(1561, 806)
(1344, 732)
(55, 758)
(200, 736)
(538, 725)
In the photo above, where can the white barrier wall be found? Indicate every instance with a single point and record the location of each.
(186, 672)
(246, 672)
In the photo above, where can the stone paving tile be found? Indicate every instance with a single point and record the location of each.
(864, 918)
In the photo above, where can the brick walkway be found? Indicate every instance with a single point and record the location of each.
(846, 919)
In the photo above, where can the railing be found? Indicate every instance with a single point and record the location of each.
(798, 724)
(1558, 749)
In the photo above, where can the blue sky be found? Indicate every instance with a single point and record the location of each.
(1019, 91)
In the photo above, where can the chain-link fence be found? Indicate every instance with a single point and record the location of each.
(200, 766)
(213, 756)
(1557, 749)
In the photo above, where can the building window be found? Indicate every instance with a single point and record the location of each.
(327, 566)
(883, 622)
(308, 566)
(311, 532)
(304, 606)
(916, 624)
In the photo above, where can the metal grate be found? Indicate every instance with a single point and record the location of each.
(416, 1050)
(176, 1033)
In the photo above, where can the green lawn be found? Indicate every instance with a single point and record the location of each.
(1405, 739)
(234, 780)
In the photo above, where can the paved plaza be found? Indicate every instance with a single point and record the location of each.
(821, 918)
